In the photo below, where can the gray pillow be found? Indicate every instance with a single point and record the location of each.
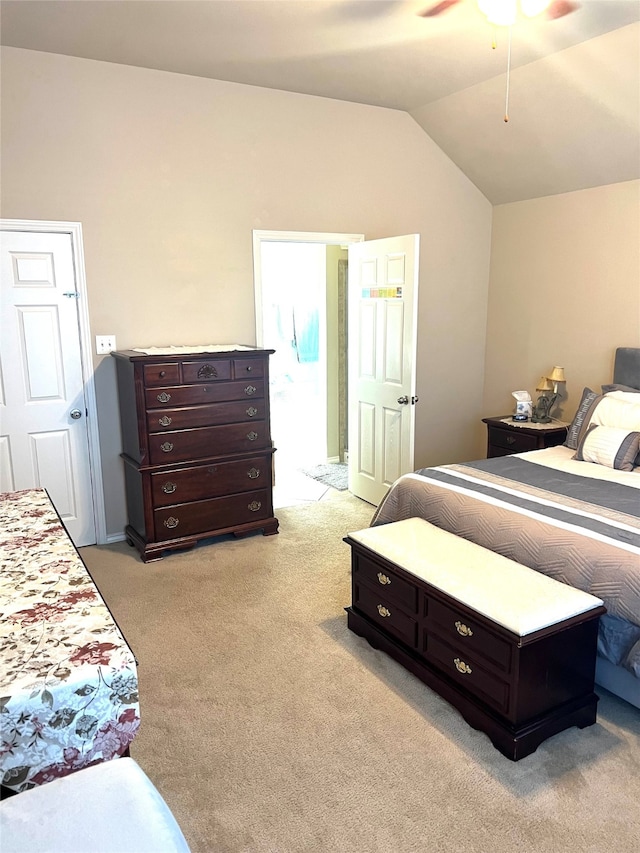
(581, 418)
(606, 389)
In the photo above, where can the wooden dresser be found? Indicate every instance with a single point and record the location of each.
(197, 445)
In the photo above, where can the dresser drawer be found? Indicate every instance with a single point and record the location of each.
(386, 613)
(466, 671)
(161, 374)
(190, 519)
(193, 395)
(247, 367)
(511, 441)
(166, 448)
(210, 370)
(197, 416)
(203, 481)
(466, 635)
(391, 585)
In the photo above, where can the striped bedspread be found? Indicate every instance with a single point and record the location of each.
(578, 529)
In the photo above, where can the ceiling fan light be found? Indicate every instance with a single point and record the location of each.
(533, 7)
(502, 13)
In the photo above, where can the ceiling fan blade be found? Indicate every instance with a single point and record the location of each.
(560, 8)
(438, 9)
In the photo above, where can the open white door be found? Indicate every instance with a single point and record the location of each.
(383, 292)
(44, 405)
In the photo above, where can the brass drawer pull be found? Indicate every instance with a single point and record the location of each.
(162, 374)
(253, 473)
(383, 611)
(254, 506)
(252, 411)
(383, 579)
(167, 447)
(250, 390)
(462, 629)
(249, 368)
(171, 522)
(164, 397)
(169, 488)
(252, 435)
(164, 421)
(207, 371)
(461, 666)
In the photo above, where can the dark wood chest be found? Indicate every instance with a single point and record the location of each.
(520, 690)
(197, 446)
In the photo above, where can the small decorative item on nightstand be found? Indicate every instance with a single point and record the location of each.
(504, 436)
(542, 410)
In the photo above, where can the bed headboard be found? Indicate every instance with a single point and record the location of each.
(626, 368)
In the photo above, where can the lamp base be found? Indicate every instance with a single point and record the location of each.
(540, 420)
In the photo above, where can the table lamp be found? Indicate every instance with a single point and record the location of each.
(542, 409)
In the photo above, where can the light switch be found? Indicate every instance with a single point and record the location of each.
(105, 344)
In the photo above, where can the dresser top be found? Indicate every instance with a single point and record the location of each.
(518, 598)
(175, 353)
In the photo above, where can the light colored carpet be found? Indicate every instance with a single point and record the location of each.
(270, 728)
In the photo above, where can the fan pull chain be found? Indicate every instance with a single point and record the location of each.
(506, 103)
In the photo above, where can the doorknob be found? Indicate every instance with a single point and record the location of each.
(414, 400)
(75, 414)
(403, 400)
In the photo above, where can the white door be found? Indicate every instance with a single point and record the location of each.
(44, 439)
(383, 291)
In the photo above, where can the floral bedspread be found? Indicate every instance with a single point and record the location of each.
(68, 680)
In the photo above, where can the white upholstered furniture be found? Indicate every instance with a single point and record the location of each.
(108, 808)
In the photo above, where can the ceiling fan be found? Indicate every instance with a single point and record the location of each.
(504, 12)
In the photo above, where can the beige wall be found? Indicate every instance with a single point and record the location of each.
(169, 174)
(564, 289)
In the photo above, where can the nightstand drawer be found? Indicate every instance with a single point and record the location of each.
(511, 441)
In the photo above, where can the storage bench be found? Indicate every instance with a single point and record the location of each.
(513, 650)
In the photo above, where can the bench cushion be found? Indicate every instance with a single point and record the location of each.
(518, 598)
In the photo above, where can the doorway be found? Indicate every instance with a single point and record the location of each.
(300, 299)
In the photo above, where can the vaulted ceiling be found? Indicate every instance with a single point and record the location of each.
(574, 87)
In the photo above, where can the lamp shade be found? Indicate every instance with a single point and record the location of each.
(557, 375)
(544, 384)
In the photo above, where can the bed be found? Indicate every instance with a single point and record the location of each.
(571, 512)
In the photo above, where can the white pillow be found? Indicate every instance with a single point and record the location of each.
(609, 446)
(629, 396)
(613, 411)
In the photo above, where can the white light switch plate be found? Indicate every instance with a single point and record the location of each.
(105, 344)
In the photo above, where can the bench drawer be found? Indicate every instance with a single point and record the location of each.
(465, 670)
(387, 583)
(464, 632)
(386, 613)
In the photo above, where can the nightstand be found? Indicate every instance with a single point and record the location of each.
(506, 436)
